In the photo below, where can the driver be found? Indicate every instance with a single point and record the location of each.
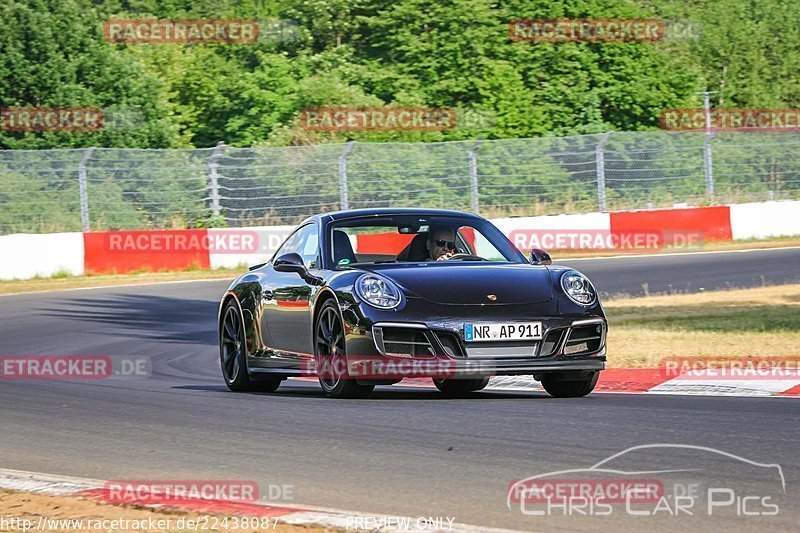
(441, 243)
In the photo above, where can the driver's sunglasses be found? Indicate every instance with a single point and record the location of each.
(441, 243)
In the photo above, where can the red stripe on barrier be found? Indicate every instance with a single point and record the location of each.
(154, 250)
(383, 243)
(712, 223)
(794, 391)
(290, 303)
(394, 243)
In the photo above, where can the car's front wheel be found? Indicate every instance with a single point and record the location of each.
(569, 384)
(331, 356)
(460, 386)
(233, 355)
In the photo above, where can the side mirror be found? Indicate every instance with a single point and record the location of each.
(291, 262)
(540, 257)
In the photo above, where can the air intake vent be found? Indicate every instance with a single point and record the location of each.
(584, 340)
(450, 344)
(402, 342)
(551, 342)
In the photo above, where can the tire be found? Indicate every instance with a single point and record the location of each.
(558, 387)
(330, 354)
(233, 355)
(460, 386)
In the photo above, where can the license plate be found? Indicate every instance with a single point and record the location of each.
(519, 331)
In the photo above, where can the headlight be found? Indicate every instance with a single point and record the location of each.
(578, 288)
(378, 292)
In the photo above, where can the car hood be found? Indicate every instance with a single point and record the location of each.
(472, 284)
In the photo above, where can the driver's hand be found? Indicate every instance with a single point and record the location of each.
(445, 257)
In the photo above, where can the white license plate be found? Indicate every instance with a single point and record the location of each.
(519, 331)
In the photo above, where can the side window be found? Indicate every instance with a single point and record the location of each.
(304, 241)
(310, 250)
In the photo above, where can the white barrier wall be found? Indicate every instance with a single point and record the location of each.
(27, 255)
(765, 219)
(585, 221)
(265, 239)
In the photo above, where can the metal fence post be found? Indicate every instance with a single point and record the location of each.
(600, 163)
(213, 178)
(473, 175)
(707, 158)
(83, 191)
(343, 200)
(709, 166)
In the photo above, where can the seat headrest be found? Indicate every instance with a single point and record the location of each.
(342, 248)
(417, 249)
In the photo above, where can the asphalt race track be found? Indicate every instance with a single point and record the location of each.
(404, 451)
(665, 273)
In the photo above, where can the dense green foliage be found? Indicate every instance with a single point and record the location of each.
(442, 53)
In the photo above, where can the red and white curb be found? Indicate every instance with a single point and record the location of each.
(649, 381)
(654, 381)
(55, 485)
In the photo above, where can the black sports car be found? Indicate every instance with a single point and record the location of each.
(370, 297)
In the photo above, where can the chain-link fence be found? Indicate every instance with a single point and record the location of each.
(110, 188)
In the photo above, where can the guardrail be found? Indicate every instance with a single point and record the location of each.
(108, 188)
(77, 253)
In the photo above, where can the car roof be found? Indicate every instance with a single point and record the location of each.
(384, 211)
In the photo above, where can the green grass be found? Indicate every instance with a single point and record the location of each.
(760, 322)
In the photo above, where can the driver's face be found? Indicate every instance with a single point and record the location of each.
(441, 241)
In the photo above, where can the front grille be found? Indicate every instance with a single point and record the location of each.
(506, 350)
(403, 341)
(584, 340)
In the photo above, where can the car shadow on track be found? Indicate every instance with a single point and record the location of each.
(384, 393)
(159, 318)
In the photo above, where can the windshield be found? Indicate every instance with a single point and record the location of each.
(416, 239)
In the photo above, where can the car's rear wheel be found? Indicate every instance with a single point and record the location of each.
(233, 355)
(569, 385)
(331, 356)
(460, 386)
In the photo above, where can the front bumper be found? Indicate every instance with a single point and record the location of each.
(567, 344)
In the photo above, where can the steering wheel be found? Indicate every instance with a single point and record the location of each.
(465, 257)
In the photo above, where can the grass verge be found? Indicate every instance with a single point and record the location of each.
(759, 322)
(110, 280)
